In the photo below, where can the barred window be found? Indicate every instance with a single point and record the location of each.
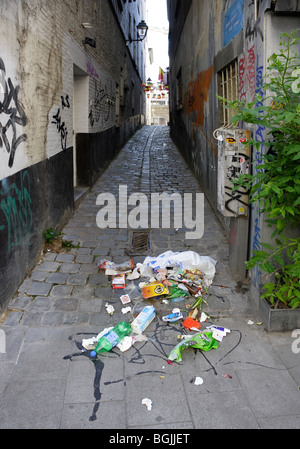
(227, 88)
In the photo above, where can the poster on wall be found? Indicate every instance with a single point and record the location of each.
(233, 22)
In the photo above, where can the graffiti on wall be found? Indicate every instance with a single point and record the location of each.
(233, 161)
(247, 73)
(60, 124)
(15, 205)
(102, 105)
(251, 83)
(12, 116)
(91, 70)
(259, 137)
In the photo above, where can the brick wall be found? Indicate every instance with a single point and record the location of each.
(57, 104)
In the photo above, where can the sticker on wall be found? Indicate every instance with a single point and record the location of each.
(230, 140)
(233, 161)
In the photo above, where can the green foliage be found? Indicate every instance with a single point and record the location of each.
(50, 235)
(282, 259)
(275, 184)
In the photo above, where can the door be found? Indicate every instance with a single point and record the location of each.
(80, 112)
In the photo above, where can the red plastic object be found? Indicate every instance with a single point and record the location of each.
(189, 323)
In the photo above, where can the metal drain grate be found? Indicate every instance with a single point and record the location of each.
(140, 243)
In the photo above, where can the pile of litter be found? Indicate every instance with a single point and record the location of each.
(168, 277)
(171, 274)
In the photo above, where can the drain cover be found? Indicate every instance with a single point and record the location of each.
(140, 242)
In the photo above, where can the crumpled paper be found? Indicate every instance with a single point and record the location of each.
(148, 403)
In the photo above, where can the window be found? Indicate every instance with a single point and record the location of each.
(227, 88)
(256, 13)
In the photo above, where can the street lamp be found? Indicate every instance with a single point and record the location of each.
(142, 29)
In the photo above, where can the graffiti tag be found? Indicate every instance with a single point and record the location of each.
(12, 116)
(16, 207)
(60, 125)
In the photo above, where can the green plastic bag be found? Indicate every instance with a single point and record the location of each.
(176, 292)
(202, 340)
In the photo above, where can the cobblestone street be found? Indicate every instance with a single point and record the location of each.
(47, 381)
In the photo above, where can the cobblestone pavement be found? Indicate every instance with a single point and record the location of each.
(46, 380)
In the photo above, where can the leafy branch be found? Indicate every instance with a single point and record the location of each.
(275, 183)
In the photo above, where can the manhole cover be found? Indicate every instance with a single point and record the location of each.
(140, 242)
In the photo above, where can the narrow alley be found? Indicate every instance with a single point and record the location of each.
(48, 380)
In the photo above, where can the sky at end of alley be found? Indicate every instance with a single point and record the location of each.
(157, 19)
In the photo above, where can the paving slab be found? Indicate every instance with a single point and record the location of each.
(48, 380)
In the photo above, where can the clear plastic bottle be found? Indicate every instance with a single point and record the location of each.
(110, 340)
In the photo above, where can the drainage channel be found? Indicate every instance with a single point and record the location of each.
(140, 243)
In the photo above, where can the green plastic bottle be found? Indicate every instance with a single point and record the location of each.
(112, 338)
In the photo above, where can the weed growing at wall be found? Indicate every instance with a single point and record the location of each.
(275, 186)
(54, 241)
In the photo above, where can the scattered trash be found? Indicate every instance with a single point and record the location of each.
(112, 268)
(250, 322)
(171, 277)
(125, 343)
(161, 274)
(219, 332)
(198, 302)
(142, 321)
(140, 338)
(181, 298)
(202, 340)
(227, 375)
(193, 314)
(90, 343)
(109, 309)
(191, 324)
(118, 281)
(154, 290)
(112, 338)
(198, 381)
(188, 260)
(174, 316)
(203, 317)
(133, 291)
(134, 275)
(148, 403)
(125, 299)
(126, 310)
(177, 291)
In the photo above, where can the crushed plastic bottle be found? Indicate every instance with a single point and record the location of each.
(112, 338)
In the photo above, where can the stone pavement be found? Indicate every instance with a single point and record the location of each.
(46, 380)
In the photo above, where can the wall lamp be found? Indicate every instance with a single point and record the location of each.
(89, 41)
(142, 29)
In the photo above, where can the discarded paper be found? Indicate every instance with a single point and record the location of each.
(148, 403)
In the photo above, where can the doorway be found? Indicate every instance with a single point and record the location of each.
(80, 113)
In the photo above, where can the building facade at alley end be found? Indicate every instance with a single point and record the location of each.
(221, 48)
(71, 95)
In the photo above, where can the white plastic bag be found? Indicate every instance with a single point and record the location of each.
(187, 260)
